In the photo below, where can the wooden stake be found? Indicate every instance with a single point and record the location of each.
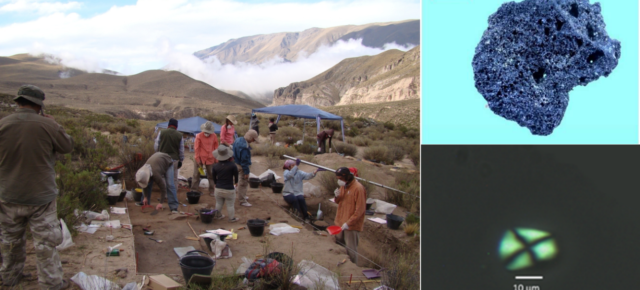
(194, 232)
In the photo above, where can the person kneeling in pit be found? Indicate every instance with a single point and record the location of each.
(292, 191)
(158, 169)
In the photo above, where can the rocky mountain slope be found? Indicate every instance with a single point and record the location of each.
(392, 75)
(154, 94)
(290, 45)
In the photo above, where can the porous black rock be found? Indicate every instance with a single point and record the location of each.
(535, 52)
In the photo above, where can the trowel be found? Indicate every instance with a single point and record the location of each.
(320, 216)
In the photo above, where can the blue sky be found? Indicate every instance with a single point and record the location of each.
(133, 36)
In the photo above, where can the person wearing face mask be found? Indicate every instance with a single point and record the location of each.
(351, 202)
(206, 142)
(242, 158)
(228, 131)
(292, 191)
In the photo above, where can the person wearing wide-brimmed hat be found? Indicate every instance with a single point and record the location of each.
(228, 131)
(206, 142)
(225, 175)
(29, 141)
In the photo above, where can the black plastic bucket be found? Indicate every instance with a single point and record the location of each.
(137, 196)
(112, 199)
(276, 187)
(207, 218)
(192, 264)
(394, 221)
(254, 182)
(256, 227)
(122, 194)
(193, 197)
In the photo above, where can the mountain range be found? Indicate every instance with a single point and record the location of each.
(153, 94)
(289, 46)
(392, 75)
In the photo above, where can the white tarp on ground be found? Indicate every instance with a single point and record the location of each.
(264, 174)
(315, 277)
(282, 228)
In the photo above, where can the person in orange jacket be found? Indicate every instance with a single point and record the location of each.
(351, 200)
(206, 142)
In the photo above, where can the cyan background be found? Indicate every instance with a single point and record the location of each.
(453, 112)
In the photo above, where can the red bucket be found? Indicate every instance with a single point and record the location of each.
(334, 230)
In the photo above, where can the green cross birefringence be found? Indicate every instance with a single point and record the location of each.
(522, 248)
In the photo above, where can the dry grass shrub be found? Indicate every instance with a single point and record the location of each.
(274, 162)
(415, 156)
(400, 271)
(288, 135)
(366, 175)
(378, 154)
(328, 182)
(360, 141)
(308, 146)
(346, 149)
(411, 229)
(272, 150)
(409, 183)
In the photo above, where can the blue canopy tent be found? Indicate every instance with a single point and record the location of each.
(190, 125)
(301, 111)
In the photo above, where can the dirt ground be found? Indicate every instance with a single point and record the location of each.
(88, 254)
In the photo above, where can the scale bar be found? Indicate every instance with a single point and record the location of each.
(528, 277)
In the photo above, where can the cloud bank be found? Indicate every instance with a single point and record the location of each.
(256, 80)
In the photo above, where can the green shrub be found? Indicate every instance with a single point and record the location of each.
(377, 154)
(361, 141)
(412, 133)
(133, 123)
(358, 124)
(346, 149)
(335, 125)
(352, 132)
(389, 126)
(78, 189)
(403, 129)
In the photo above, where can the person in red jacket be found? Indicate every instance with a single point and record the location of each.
(228, 131)
(351, 202)
(206, 142)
